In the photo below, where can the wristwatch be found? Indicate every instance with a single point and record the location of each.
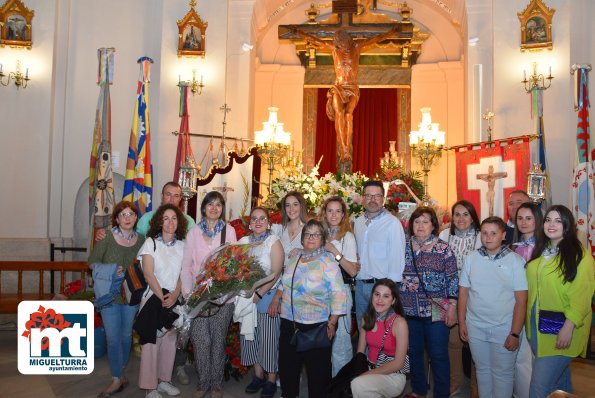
(338, 257)
(515, 335)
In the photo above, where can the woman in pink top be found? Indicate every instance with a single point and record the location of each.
(385, 333)
(528, 217)
(208, 334)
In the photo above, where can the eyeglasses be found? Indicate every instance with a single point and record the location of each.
(126, 214)
(370, 196)
(258, 219)
(308, 235)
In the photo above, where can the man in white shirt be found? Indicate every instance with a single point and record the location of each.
(380, 246)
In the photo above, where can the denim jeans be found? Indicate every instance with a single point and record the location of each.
(549, 373)
(494, 364)
(432, 337)
(363, 292)
(342, 347)
(117, 321)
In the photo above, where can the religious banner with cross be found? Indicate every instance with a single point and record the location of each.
(489, 172)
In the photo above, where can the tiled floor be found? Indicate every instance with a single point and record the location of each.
(13, 384)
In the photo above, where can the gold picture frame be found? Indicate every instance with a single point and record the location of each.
(536, 26)
(191, 34)
(16, 25)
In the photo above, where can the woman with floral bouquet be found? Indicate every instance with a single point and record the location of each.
(263, 351)
(208, 333)
(311, 296)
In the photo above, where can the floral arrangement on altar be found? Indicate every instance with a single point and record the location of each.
(348, 187)
(398, 193)
(317, 189)
(309, 185)
(227, 272)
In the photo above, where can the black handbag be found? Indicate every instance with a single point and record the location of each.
(312, 338)
(550, 322)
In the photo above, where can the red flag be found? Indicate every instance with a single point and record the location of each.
(489, 174)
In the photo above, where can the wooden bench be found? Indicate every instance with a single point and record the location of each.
(9, 302)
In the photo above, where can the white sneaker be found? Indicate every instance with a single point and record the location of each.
(153, 394)
(182, 375)
(168, 388)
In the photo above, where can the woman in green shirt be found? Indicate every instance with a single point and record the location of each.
(119, 247)
(560, 279)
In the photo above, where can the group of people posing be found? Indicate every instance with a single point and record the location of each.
(484, 286)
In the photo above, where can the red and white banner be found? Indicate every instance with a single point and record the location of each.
(488, 173)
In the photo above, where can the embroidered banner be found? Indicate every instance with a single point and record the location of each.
(101, 187)
(583, 186)
(487, 174)
(138, 184)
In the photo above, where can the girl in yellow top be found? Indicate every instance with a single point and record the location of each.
(560, 278)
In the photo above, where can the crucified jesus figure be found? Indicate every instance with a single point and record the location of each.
(343, 96)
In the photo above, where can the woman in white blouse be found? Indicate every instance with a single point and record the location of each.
(263, 350)
(340, 242)
(463, 238)
(161, 257)
(293, 218)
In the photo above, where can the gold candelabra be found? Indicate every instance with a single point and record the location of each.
(20, 79)
(272, 144)
(196, 86)
(537, 80)
(426, 145)
(392, 159)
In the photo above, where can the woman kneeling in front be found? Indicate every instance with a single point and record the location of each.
(385, 333)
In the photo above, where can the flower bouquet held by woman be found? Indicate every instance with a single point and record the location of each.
(228, 272)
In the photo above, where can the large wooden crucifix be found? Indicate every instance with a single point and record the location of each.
(346, 41)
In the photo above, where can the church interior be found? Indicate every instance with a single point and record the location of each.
(464, 59)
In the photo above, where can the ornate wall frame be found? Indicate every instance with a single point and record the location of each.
(536, 26)
(16, 25)
(191, 34)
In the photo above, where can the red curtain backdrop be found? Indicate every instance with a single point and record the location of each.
(375, 122)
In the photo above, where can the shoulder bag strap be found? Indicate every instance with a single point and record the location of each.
(223, 233)
(421, 283)
(384, 337)
(291, 296)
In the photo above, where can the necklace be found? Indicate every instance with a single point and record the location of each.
(370, 219)
(261, 238)
(116, 230)
(314, 253)
(550, 251)
(205, 229)
(168, 244)
(426, 242)
(332, 232)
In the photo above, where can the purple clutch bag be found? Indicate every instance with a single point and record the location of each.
(550, 322)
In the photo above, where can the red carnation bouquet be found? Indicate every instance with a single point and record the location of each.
(228, 272)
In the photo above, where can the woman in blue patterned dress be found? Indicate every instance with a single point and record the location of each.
(429, 294)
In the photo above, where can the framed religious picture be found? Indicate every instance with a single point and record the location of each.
(536, 26)
(15, 25)
(191, 34)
